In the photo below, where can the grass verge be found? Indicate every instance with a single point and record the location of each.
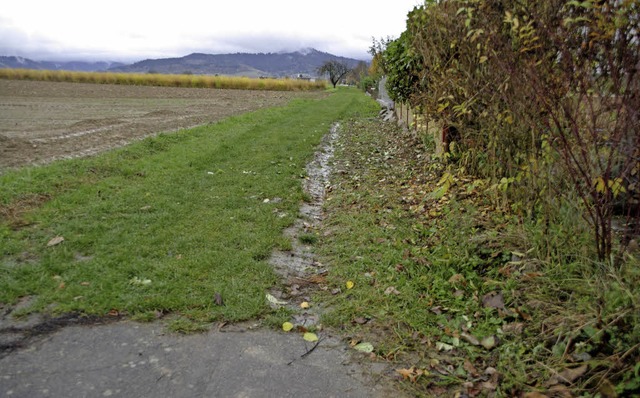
(465, 298)
(162, 225)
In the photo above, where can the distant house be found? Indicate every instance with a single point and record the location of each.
(302, 76)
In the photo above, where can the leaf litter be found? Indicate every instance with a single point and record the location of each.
(474, 322)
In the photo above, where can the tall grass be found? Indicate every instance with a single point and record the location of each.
(164, 80)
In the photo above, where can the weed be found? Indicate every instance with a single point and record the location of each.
(186, 326)
(275, 319)
(308, 239)
(453, 285)
(306, 197)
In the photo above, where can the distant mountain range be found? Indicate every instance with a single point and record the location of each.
(81, 66)
(303, 62)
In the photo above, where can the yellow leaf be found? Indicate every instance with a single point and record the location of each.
(364, 347)
(55, 241)
(616, 186)
(310, 337)
(598, 183)
(407, 373)
(411, 373)
(304, 305)
(350, 284)
(443, 346)
(274, 300)
(287, 326)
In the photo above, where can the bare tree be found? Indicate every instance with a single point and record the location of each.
(336, 70)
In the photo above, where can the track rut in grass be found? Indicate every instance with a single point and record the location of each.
(299, 267)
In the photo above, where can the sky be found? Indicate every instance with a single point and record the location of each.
(133, 30)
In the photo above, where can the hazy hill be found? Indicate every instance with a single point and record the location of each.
(25, 63)
(304, 62)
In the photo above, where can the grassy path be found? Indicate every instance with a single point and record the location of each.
(164, 224)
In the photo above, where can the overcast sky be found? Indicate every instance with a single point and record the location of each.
(132, 30)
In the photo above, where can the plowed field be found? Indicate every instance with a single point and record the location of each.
(44, 121)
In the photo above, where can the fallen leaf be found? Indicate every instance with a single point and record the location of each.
(456, 278)
(607, 389)
(532, 275)
(360, 320)
(391, 290)
(55, 241)
(523, 314)
(513, 328)
(350, 284)
(139, 281)
(310, 337)
(294, 290)
(491, 371)
(407, 373)
(113, 312)
(443, 346)
(560, 391)
(274, 300)
(217, 298)
(535, 394)
(488, 342)
(411, 373)
(572, 374)
(489, 385)
(304, 305)
(493, 300)
(85, 283)
(438, 391)
(287, 326)
(471, 339)
(468, 366)
(364, 347)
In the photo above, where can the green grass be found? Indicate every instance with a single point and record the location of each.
(162, 225)
(165, 80)
(308, 239)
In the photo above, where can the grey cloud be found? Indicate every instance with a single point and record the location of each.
(17, 42)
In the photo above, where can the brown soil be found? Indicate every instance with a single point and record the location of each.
(44, 121)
